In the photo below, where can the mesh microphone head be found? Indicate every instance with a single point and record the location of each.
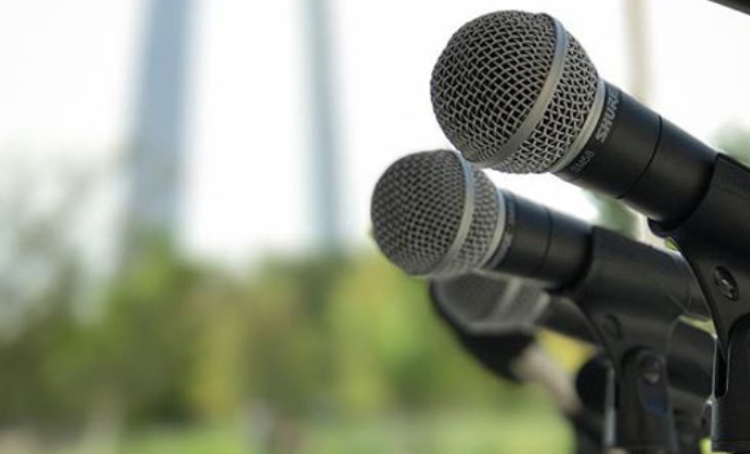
(514, 91)
(434, 214)
(490, 304)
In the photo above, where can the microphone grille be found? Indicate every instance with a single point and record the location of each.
(419, 207)
(489, 80)
(494, 303)
(472, 297)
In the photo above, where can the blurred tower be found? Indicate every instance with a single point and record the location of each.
(156, 159)
(325, 150)
(638, 38)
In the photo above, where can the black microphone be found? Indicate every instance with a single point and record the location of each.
(485, 310)
(435, 215)
(495, 319)
(514, 91)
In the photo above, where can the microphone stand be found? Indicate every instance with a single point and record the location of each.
(591, 383)
(719, 255)
(512, 356)
(691, 424)
(633, 319)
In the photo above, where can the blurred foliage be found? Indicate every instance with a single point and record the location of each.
(734, 140)
(298, 340)
(318, 352)
(613, 215)
(315, 354)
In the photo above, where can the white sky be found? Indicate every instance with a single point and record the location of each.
(66, 87)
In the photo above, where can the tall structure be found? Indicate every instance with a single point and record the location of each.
(156, 159)
(638, 37)
(325, 150)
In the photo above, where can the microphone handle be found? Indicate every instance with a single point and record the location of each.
(566, 255)
(642, 159)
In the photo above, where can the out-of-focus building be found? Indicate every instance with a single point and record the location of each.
(324, 144)
(157, 154)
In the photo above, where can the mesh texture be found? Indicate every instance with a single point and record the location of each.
(417, 209)
(491, 303)
(563, 119)
(488, 79)
(525, 307)
(471, 298)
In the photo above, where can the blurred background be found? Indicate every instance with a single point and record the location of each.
(185, 261)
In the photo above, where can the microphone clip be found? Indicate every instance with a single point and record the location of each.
(634, 324)
(719, 254)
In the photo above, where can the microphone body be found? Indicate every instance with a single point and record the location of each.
(584, 263)
(635, 155)
(569, 122)
(565, 254)
(448, 223)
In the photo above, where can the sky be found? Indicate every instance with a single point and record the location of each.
(68, 84)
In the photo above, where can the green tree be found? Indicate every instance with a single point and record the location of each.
(734, 140)
(614, 215)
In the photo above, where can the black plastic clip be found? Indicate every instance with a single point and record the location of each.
(715, 240)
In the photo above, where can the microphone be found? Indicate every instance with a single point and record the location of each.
(498, 352)
(435, 215)
(515, 92)
(495, 305)
(485, 309)
(495, 318)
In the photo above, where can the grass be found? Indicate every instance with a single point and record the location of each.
(474, 433)
(457, 433)
(193, 441)
(526, 429)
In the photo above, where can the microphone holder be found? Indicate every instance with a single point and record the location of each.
(689, 410)
(633, 317)
(692, 420)
(715, 240)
